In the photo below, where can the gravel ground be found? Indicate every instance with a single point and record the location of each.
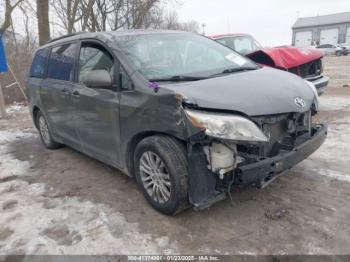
(63, 202)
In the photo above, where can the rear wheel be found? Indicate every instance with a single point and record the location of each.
(161, 172)
(338, 53)
(45, 133)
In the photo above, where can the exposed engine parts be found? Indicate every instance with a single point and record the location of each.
(222, 158)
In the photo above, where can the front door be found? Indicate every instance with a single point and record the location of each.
(96, 110)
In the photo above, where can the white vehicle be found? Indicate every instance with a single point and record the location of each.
(345, 48)
(329, 49)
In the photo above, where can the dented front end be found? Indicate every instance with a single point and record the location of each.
(216, 161)
(304, 62)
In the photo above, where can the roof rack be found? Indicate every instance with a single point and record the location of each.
(65, 36)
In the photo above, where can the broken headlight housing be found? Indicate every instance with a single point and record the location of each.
(226, 126)
(313, 88)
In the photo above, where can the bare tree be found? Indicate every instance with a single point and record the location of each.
(103, 15)
(71, 12)
(9, 7)
(43, 21)
(190, 26)
(170, 21)
(135, 14)
(86, 10)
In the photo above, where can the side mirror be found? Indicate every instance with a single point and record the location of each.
(98, 79)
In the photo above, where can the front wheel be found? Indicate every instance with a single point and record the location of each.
(161, 172)
(338, 53)
(45, 133)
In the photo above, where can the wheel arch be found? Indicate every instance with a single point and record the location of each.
(131, 146)
(35, 112)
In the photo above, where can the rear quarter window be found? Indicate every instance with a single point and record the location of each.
(39, 63)
(61, 62)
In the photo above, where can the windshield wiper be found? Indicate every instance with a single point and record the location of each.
(236, 69)
(180, 78)
(177, 78)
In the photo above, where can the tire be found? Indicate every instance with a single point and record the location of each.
(338, 53)
(45, 133)
(166, 190)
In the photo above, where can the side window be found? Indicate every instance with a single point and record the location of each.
(94, 57)
(243, 45)
(227, 42)
(39, 63)
(61, 62)
(125, 81)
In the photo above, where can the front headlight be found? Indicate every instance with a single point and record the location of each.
(226, 126)
(313, 88)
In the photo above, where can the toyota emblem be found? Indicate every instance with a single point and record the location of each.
(299, 102)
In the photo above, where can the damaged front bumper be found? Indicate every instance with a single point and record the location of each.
(260, 173)
(320, 83)
(206, 189)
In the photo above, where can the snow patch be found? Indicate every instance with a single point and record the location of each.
(10, 166)
(334, 151)
(332, 103)
(16, 107)
(70, 226)
(336, 146)
(334, 174)
(40, 224)
(7, 136)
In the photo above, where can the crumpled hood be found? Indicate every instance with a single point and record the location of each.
(285, 57)
(265, 91)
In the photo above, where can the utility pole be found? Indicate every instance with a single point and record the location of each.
(203, 30)
(3, 69)
(2, 103)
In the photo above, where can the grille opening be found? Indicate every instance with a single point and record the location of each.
(311, 69)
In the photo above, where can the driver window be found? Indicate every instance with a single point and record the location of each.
(94, 57)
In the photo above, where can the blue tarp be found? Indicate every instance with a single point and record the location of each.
(3, 63)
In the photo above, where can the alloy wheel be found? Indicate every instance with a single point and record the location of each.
(44, 130)
(155, 177)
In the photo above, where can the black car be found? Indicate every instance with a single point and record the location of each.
(187, 116)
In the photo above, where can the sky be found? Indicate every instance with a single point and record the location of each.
(269, 21)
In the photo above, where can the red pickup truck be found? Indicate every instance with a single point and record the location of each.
(305, 62)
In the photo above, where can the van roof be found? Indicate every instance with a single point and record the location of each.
(105, 36)
(227, 35)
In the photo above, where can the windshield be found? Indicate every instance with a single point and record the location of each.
(162, 56)
(241, 44)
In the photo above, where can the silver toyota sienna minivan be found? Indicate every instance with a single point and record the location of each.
(188, 117)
